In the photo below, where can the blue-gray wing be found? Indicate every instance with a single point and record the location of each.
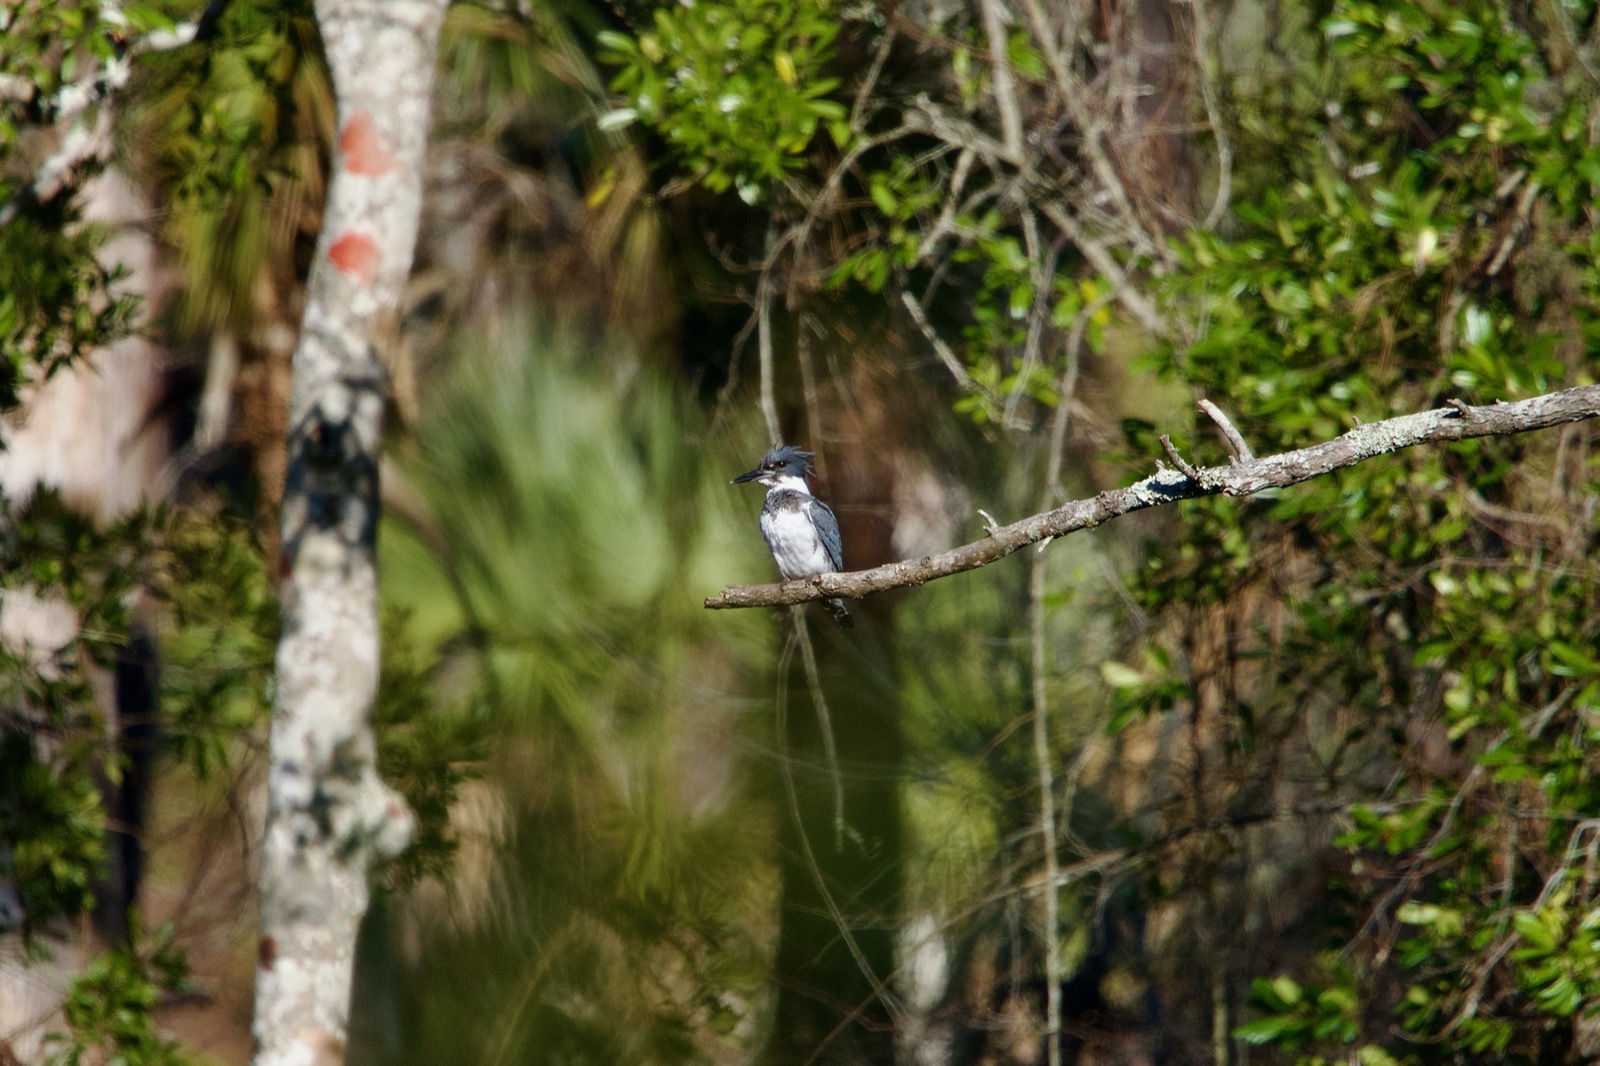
(828, 530)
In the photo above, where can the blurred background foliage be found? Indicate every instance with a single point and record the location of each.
(1319, 762)
(549, 527)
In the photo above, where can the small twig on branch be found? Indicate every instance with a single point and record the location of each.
(1187, 468)
(1230, 432)
(1244, 478)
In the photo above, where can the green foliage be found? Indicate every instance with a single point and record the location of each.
(738, 89)
(1295, 1015)
(55, 551)
(52, 47)
(53, 832)
(547, 567)
(427, 751)
(1558, 959)
(1344, 285)
(1152, 688)
(219, 627)
(1009, 296)
(57, 301)
(1370, 279)
(55, 742)
(75, 576)
(217, 659)
(109, 1006)
(218, 640)
(238, 130)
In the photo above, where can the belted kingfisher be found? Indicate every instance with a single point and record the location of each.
(800, 530)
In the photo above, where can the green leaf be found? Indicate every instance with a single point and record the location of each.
(1268, 1030)
(1534, 931)
(616, 119)
(1120, 675)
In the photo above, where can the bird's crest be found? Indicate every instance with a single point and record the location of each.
(783, 455)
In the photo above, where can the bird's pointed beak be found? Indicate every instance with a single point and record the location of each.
(751, 476)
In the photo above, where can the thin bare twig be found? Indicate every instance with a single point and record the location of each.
(1001, 80)
(1040, 276)
(808, 379)
(769, 406)
(1208, 95)
(1230, 432)
(858, 111)
(830, 752)
(1131, 297)
(947, 214)
(878, 986)
(1188, 469)
(1042, 758)
(940, 348)
(1066, 394)
(1519, 225)
(1073, 95)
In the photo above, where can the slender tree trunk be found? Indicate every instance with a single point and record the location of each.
(330, 819)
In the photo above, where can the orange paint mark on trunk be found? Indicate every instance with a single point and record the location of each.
(356, 254)
(361, 148)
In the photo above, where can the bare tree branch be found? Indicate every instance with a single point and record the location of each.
(1243, 478)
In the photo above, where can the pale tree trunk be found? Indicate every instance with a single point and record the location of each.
(330, 818)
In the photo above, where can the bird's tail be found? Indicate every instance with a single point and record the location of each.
(840, 612)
